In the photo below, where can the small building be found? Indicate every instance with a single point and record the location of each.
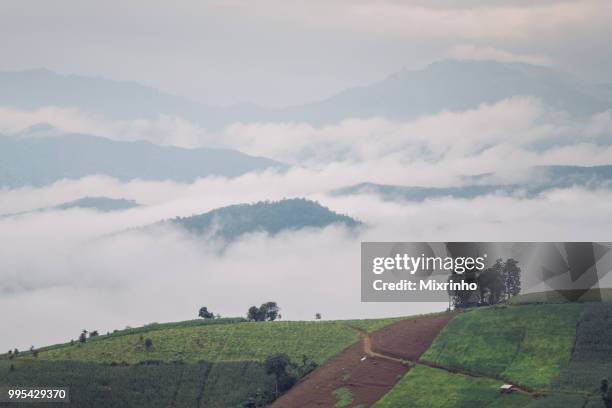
(506, 389)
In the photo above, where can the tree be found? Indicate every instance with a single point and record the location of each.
(83, 336)
(491, 284)
(93, 333)
(317, 316)
(205, 314)
(606, 392)
(278, 365)
(148, 344)
(253, 314)
(512, 277)
(269, 310)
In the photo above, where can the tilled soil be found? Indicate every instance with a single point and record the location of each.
(368, 377)
(409, 339)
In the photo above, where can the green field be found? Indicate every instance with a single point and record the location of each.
(143, 385)
(424, 387)
(212, 363)
(252, 341)
(592, 356)
(528, 345)
(564, 296)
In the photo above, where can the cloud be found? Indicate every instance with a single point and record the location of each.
(95, 279)
(474, 52)
(65, 271)
(165, 130)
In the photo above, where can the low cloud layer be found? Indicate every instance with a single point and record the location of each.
(64, 271)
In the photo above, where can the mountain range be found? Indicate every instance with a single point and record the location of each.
(446, 85)
(541, 178)
(100, 204)
(38, 161)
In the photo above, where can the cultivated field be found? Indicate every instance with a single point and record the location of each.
(219, 342)
(424, 387)
(529, 345)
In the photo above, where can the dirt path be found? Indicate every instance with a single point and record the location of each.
(365, 371)
(366, 341)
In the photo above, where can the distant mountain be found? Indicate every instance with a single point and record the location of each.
(37, 88)
(271, 217)
(446, 85)
(39, 161)
(100, 204)
(456, 86)
(542, 178)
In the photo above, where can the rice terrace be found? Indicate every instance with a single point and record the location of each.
(547, 354)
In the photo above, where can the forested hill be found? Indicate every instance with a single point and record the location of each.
(271, 217)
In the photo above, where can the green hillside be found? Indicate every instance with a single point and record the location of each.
(253, 341)
(528, 345)
(558, 352)
(271, 217)
(212, 363)
(415, 391)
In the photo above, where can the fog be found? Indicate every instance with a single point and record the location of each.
(279, 53)
(64, 271)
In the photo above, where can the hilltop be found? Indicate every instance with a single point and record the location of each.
(270, 217)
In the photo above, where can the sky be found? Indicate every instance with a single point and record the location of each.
(63, 271)
(278, 53)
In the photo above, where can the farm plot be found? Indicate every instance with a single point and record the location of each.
(528, 345)
(144, 385)
(424, 387)
(592, 356)
(219, 342)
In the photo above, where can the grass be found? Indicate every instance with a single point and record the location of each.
(592, 356)
(564, 296)
(424, 387)
(155, 326)
(144, 385)
(344, 398)
(556, 401)
(219, 342)
(529, 345)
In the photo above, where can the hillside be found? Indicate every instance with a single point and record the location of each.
(541, 179)
(556, 354)
(270, 217)
(213, 363)
(100, 204)
(39, 161)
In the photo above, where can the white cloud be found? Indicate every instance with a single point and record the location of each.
(475, 52)
(93, 279)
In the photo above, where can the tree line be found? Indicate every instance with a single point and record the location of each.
(496, 284)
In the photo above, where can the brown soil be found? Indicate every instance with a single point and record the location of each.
(370, 378)
(409, 339)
